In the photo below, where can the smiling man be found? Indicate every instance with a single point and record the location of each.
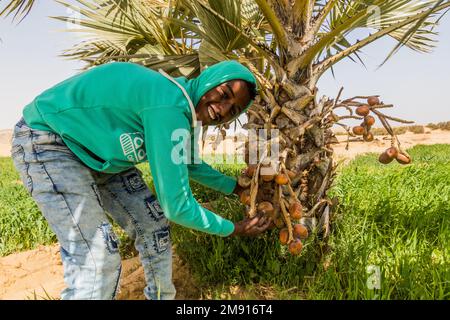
(76, 148)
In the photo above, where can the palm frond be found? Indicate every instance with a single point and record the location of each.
(275, 24)
(348, 16)
(124, 27)
(329, 61)
(215, 30)
(20, 8)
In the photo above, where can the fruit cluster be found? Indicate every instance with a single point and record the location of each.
(282, 214)
(364, 128)
(393, 153)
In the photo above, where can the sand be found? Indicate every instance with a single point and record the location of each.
(380, 143)
(38, 274)
(5, 143)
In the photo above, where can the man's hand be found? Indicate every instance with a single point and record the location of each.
(251, 226)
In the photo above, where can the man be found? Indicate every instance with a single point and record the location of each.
(76, 149)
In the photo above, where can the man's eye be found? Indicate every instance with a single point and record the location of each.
(224, 95)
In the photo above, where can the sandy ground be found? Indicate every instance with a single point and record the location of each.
(380, 143)
(37, 274)
(5, 143)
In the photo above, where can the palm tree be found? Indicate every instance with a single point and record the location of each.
(18, 8)
(289, 45)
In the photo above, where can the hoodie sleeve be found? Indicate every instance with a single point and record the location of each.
(163, 128)
(211, 178)
(204, 174)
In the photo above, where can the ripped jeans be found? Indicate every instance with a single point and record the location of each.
(76, 202)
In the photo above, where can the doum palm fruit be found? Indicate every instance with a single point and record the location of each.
(358, 130)
(250, 170)
(369, 120)
(373, 101)
(403, 159)
(296, 210)
(245, 197)
(267, 173)
(384, 158)
(392, 152)
(363, 110)
(300, 231)
(281, 179)
(291, 174)
(284, 236)
(279, 222)
(368, 137)
(295, 247)
(265, 207)
(244, 181)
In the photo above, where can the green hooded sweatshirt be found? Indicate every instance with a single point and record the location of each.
(119, 114)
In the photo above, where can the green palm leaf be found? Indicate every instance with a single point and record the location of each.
(20, 8)
(348, 16)
(274, 37)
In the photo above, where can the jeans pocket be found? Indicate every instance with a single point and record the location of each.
(17, 151)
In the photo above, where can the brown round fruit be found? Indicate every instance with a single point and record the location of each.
(392, 152)
(403, 159)
(281, 179)
(369, 120)
(373, 101)
(244, 181)
(300, 231)
(284, 236)
(368, 137)
(384, 158)
(245, 197)
(265, 207)
(291, 174)
(295, 247)
(279, 222)
(250, 170)
(267, 178)
(296, 210)
(363, 110)
(267, 173)
(358, 130)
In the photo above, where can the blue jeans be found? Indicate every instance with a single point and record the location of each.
(76, 202)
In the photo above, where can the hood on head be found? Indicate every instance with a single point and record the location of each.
(216, 75)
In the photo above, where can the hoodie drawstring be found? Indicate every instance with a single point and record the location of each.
(191, 104)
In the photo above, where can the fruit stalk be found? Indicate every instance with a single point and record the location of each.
(285, 215)
(254, 191)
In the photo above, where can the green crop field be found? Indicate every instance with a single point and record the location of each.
(390, 238)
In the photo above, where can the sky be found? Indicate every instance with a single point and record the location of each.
(417, 84)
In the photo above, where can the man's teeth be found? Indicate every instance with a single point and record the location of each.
(211, 112)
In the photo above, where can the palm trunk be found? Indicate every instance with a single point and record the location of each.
(305, 156)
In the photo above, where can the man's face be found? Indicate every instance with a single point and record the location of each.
(223, 103)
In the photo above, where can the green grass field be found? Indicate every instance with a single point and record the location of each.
(390, 239)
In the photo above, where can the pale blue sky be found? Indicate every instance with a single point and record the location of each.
(418, 84)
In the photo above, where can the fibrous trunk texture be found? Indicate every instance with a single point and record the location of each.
(295, 175)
